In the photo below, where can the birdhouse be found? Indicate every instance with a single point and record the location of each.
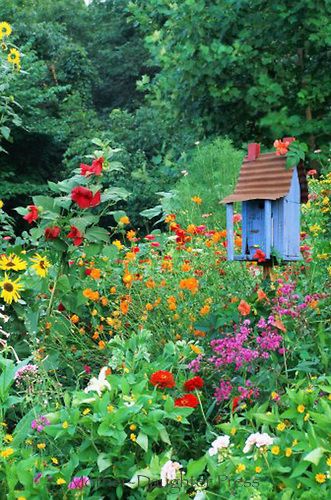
(270, 195)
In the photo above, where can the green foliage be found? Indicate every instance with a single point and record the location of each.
(249, 70)
(210, 172)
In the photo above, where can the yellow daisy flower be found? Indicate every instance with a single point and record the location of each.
(41, 265)
(10, 289)
(6, 452)
(1, 204)
(12, 263)
(14, 57)
(5, 29)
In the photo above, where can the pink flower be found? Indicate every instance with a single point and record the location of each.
(258, 440)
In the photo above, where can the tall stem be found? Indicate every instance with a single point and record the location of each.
(59, 270)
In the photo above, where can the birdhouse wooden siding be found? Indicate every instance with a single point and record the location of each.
(270, 195)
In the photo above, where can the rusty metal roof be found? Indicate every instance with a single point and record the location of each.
(266, 178)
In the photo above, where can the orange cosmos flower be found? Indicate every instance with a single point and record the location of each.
(191, 284)
(197, 200)
(261, 295)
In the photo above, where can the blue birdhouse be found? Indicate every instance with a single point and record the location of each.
(270, 195)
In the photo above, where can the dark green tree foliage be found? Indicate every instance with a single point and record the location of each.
(254, 70)
(77, 63)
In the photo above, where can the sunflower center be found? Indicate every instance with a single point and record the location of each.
(10, 263)
(42, 264)
(8, 287)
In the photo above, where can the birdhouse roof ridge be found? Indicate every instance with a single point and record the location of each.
(266, 178)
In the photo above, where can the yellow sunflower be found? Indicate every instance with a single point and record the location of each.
(14, 57)
(41, 265)
(12, 263)
(5, 29)
(10, 289)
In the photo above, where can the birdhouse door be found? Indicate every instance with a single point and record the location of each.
(254, 227)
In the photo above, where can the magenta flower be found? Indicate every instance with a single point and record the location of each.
(79, 482)
(40, 423)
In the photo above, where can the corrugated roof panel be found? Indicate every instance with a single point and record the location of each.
(266, 178)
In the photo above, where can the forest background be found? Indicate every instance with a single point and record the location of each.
(165, 82)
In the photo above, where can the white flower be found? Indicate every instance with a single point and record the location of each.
(169, 471)
(258, 440)
(98, 384)
(218, 444)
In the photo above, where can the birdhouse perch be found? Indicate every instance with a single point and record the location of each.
(270, 196)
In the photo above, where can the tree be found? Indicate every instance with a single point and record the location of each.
(253, 70)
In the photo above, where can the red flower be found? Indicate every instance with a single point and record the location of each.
(162, 379)
(312, 172)
(84, 197)
(87, 369)
(193, 383)
(190, 400)
(259, 255)
(51, 233)
(235, 403)
(95, 168)
(32, 215)
(75, 235)
(61, 307)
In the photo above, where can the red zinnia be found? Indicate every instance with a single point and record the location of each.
(235, 403)
(95, 168)
(75, 235)
(162, 379)
(84, 197)
(32, 215)
(51, 233)
(190, 400)
(193, 383)
(259, 255)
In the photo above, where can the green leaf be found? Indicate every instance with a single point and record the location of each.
(142, 440)
(150, 213)
(196, 467)
(314, 456)
(96, 234)
(5, 131)
(115, 194)
(103, 462)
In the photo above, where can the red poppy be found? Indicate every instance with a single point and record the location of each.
(95, 168)
(244, 308)
(193, 383)
(162, 379)
(75, 235)
(259, 255)
(84, 197)
(51, 233)
(189, 400)
(32, 215)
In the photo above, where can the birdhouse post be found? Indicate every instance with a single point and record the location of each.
(270, 195)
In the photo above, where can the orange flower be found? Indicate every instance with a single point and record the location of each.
(281, 147)
(197, 200)
(101, 344)
(172, 303)
(90, 294)
(124, 305)
(244, 308)
(199, 333)
(204, 310)
(150, 283)
(95, 274)
(170, 218)
(238, 241)
(149, 307)
(124, 220)
(74, 318)
(104, 301)
(130, 235)
(261, 295)
(186, 267)
(191, 284)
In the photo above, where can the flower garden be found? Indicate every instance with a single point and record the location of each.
(149, 366)
(140, 362)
